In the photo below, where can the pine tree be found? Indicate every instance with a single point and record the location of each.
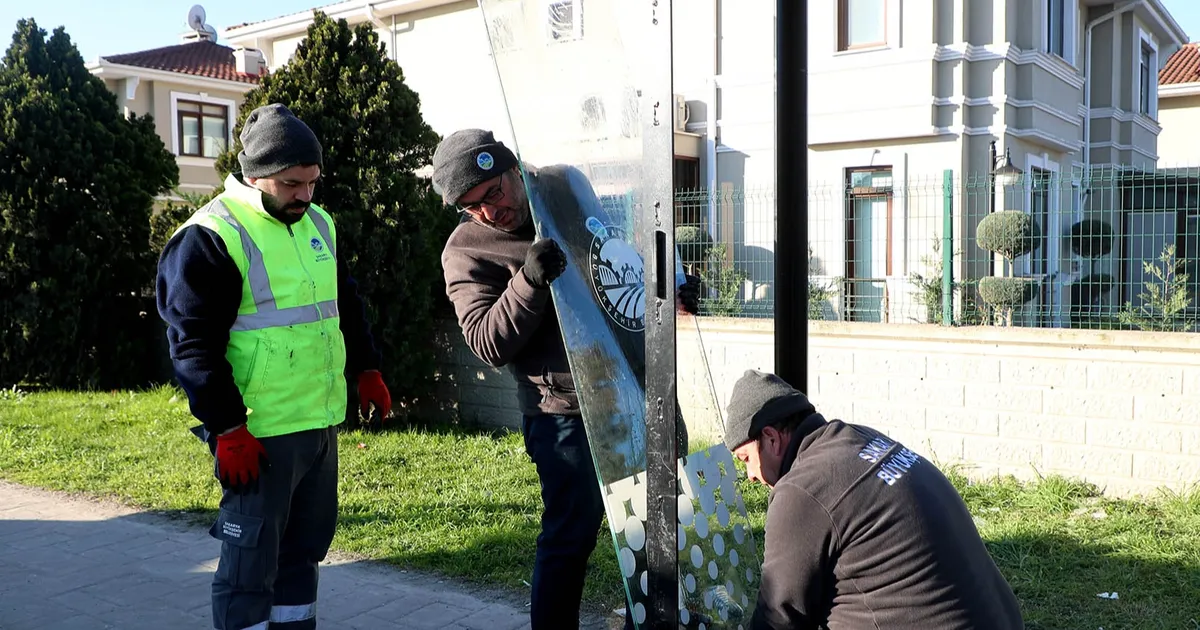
(391, 225)
(77, 185)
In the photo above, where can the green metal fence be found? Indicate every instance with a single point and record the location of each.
(1112, 249)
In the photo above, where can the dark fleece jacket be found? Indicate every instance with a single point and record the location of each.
(862, 532)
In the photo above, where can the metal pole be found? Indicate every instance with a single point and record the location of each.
(658, 218)
(948, 248)
(992, 200)
(791, 192)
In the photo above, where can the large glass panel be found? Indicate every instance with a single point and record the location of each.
(190, 142)
(1147, 236)
(1054, 24)
(577, 109)
(214, 137)
(865, 23)
(1191, 263)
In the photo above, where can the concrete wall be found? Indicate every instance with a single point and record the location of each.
(1118, 409)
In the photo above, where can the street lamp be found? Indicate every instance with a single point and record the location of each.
(1004, 174)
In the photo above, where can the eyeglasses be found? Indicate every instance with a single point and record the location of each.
(493, 194)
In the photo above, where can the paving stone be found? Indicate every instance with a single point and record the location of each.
(435, 615)
(495, 617)
(70, 563)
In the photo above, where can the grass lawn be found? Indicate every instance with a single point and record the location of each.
(465, 504)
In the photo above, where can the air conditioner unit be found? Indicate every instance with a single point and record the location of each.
(249, 61)
(682, 113)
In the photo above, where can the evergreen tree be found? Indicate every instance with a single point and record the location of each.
(391, 225)
(77, 185)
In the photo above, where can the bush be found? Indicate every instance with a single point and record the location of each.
(391, 225)
(1007, 292)
(1010, 233)
(723, 280)
(1166, 300)
(77, 184)
(1091, 238)
(693, 244)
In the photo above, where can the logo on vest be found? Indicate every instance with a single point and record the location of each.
(485, 161)
(319, 247)
(618, 276)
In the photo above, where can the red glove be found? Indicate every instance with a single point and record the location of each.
(239, 457)
(372, 391)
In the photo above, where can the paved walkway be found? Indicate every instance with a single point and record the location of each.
(68, 563)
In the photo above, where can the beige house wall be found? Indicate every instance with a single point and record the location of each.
(197, 175)
(1180, 118)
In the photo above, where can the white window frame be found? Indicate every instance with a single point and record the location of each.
(1054, 225)
(891, 29)
(1070, 20)
(1145, 39)
(576, 19)
(201, 97)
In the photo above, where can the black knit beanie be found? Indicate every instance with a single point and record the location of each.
(273, 140)
(760, 399)
(466, 159)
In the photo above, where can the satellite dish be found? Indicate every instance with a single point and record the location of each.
(196, 17)
(212, 32)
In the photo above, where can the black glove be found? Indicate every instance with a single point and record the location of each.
(689, 295)
(544, 262)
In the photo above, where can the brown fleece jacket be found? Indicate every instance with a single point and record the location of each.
(505, 320)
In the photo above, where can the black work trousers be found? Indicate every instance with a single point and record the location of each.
(273, 540)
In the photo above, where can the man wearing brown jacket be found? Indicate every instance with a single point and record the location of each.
(861, 532)
(498, 278)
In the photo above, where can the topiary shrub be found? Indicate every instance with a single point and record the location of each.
(1007, 292)
(1091, 238)
(693, 244)
(1010, 233)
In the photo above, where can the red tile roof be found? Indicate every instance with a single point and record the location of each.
(1182, 67)
(202, 59)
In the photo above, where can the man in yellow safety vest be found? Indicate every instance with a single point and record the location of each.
(265, 325)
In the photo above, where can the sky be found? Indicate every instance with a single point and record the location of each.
(99, 28)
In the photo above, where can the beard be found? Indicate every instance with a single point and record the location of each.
(288, 213)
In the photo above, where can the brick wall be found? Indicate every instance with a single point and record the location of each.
(1119, 409)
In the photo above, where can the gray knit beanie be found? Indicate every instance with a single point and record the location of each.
(760, 399)
(466, 159)
(273, 140)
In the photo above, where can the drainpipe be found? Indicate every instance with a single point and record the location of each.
(1087, 87)
(710, 124)
(373, 17)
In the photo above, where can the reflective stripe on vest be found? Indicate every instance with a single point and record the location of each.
(269, 315)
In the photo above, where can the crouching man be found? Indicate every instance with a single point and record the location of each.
(861, 532)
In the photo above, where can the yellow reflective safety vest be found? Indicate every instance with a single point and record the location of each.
(286, 346)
